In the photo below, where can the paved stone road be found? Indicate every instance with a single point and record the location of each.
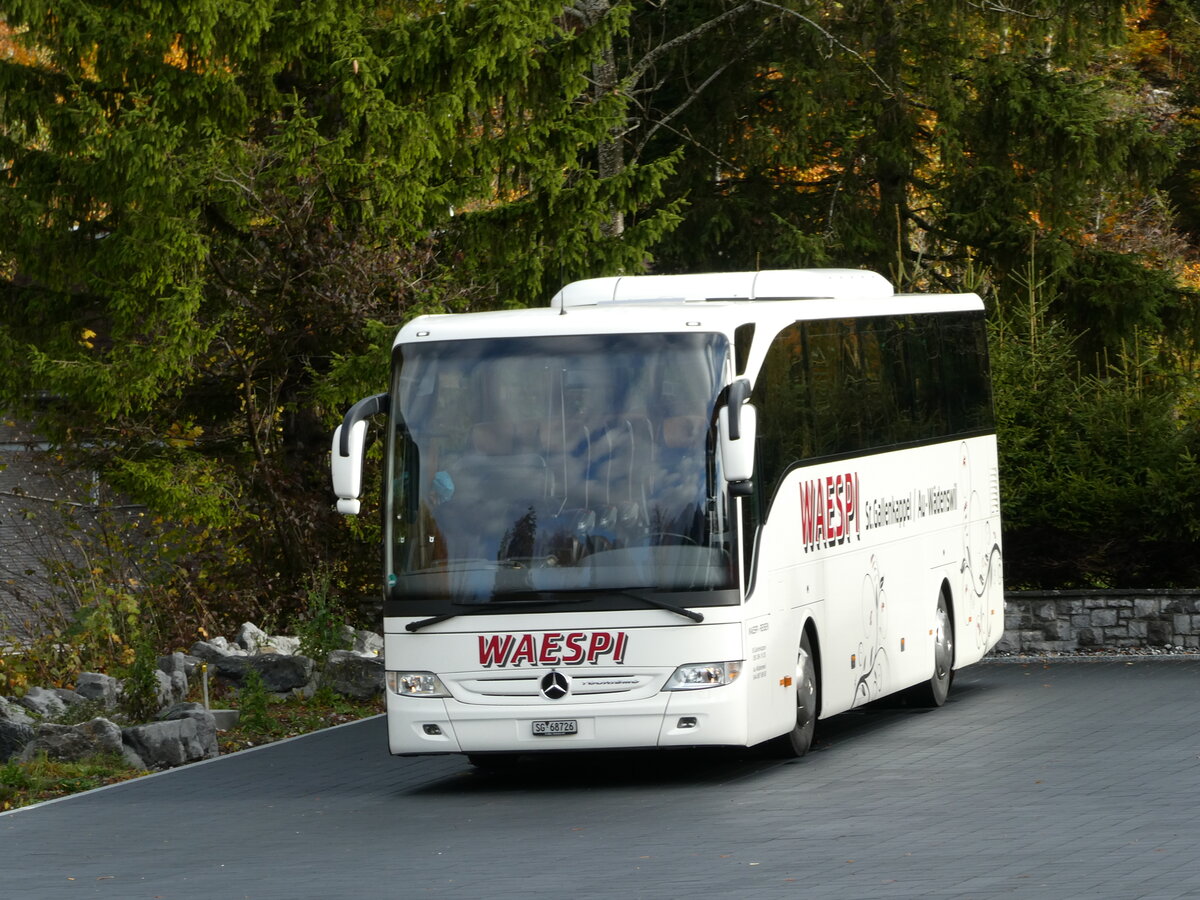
(1073, 779)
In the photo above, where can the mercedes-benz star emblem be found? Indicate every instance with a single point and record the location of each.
(555, 686)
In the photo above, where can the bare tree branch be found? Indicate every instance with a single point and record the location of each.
(731, 167)
(687, 101)
(690, 98)
(647, 62)
(1004, 9)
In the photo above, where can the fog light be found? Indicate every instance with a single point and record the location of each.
(432, 730)
(686, 722)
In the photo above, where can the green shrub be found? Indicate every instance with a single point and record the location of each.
(1098, 465)
(139, 696)
(254, 704)
(321, 627)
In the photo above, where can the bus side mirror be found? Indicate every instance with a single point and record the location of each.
(347, 470)
(737, 443)
(346, 456)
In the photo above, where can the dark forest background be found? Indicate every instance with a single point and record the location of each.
(214, 216)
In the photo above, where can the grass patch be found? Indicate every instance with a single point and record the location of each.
(294, 716)
(23, 784)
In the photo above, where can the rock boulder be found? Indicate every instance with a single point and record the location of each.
(283, 674)
(351, 675)
(14, 737)
(43, 702)
(206, 726)
(12, 711)
(221, 664)
(98, 687)
(367, 643)
(176, 741)
(71, 743)
(69, 697)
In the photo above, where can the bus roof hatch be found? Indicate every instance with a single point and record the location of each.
(772, 284)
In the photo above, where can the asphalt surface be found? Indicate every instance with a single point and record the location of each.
(1060, 780)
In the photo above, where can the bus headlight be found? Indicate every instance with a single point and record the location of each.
(697, 676)
(416, 684)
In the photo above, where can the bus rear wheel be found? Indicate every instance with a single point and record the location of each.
(937, 688)
(798, 741)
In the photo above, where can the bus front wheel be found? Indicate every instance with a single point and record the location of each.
(799, 740)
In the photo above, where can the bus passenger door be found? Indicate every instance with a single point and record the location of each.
(771, 641)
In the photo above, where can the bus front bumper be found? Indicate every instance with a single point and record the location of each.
(711, 717)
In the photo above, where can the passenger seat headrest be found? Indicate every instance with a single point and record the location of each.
(684, 431)
(494, 438)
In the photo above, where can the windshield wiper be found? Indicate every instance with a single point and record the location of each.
(481, 608)
(634, 592)
(661, 604)
(512, 599)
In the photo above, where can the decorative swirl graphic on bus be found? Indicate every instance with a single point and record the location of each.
(871, 656)
(980, 566)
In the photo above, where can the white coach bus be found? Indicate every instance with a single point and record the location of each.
(684, 510)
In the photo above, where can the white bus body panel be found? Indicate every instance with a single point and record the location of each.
(649, 316)
(844, 284)
(492, 667)
(863, 549)
(862, 569)
(865, 546)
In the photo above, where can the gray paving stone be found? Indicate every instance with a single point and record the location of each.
(1072, 779)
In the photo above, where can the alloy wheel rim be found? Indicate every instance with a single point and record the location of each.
(943, 651)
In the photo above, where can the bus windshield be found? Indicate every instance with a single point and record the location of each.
(545, 466)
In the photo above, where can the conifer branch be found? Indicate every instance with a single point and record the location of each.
(833, 41)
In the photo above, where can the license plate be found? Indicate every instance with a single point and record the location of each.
(552, 727)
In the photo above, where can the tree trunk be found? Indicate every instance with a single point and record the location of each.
(610, 155)
(893, 163)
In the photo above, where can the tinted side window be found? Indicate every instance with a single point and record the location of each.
(966, 376)
(842, 386)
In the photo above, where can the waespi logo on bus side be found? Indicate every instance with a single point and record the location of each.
(829, 511)
(553, 648)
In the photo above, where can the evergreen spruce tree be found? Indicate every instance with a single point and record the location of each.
(213, 215)
(965, 145)
(932, 142)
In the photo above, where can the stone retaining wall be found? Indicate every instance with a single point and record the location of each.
(1063, 621)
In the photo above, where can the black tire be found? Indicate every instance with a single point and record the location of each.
(798, 741)
(937, 688)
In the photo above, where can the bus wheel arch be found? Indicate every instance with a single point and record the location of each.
(807, 685)
(933, 692)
